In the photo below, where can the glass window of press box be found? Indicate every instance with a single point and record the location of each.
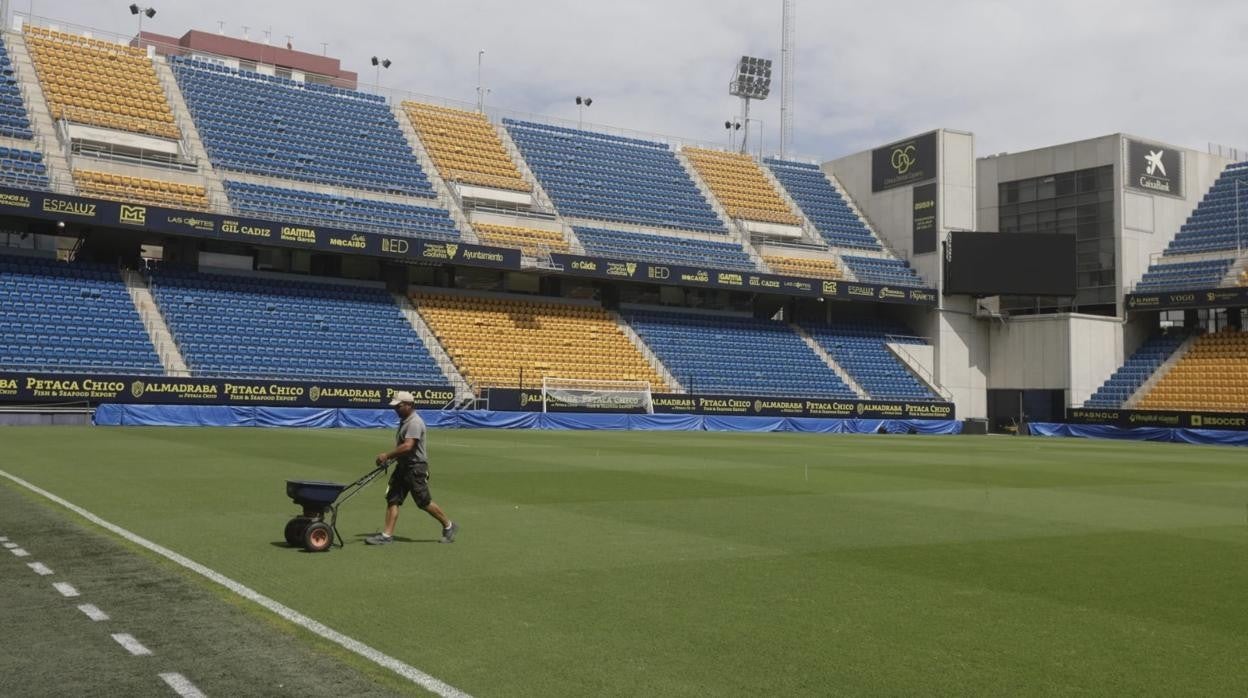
(1079, 203)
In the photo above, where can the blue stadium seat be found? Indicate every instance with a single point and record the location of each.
(823, 205)
(1220, 221)
(14, 121)
(1206, 273)
(860, 348)
(1132, 374)
(729, 354)
(63, 317)
(613, 178)
(341, 211)
(889, 272)
(664, 249)
(302, 131)
(238, 326)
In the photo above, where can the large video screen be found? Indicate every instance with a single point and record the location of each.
(1010, 264)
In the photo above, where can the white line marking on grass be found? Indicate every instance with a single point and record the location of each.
(4, 539)
(132, 645)
(67, 590)
(181, 685)
(401, 668)
(93, 613)
(40, 569)
(10, 546)
(20, 552)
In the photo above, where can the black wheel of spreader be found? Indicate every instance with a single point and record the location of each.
(317, 537)
(294, 531)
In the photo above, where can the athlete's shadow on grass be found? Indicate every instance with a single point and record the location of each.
(399, 539)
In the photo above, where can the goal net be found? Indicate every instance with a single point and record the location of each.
(616, 395)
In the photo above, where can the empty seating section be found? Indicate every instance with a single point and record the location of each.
(283, 128)
(100, 83)
(613, 178)
(823, 205)
(736, 180)
(23, 168)
(141, 190)
(1202, 274)
(531, 241)
(465, 147)
(499, 341)
(56, 316)
(874, 270)
(804, 266)
(732, 355)
(341, 211)
(1137, 369)
(861, 349)
(229, 325)
(14, 121)
(1211, 376)
(664, 249)
(1217, 223)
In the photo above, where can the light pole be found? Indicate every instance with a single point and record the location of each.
(379, 64)
(480, 86)
(581, 104)
(732, 126)
(142, 12)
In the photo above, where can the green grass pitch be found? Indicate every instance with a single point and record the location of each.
(614, 563)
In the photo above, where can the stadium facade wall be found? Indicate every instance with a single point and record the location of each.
(1067, 351)
(961, 340)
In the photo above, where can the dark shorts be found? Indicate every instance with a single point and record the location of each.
(407, 480)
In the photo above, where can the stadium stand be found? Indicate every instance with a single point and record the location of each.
(23, 168)
(100, 83)
(530, 241)
(804, 266)
(823, 205)
(860, 348)
(465, 147)
(344, 211)
(58, 316)
(874, 270)
(1201, 274)
(497, 342)
(141, 190)
(664, 249)
(613, 178)
(283, 128)
(734, 355)
(228, 325)
(14, 121)
(1138, 367)
(736, 180)
(1212, 226)
(1212, 376)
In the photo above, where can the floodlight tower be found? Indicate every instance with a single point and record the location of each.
(752, 81)
(788, 40)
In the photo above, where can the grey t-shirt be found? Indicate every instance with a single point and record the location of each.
(413, 428)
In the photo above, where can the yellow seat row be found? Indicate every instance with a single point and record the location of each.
(739, 184)
(140, 190)
(1211, 377)
(465, 147)
(100, 83)
(494, 340)
(529, 240)
(801, 266)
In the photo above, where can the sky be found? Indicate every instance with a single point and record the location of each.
(1019, 75)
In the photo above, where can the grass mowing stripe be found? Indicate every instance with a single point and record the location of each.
(403, 669)
(181, 685)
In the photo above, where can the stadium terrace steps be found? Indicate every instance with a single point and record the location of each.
(644, 350)
(542, 199)
(157, 329)
(830, 361)
(1212, 226)
(436, 180)
(508, 341)
(530, 241)
(190, 136)
(825, 204)
(1212, 375)
(734, 231)
(70, 318)
(1205, 273)
(14, 119)
(465, 147)
(1137, 373)
(811, 267)
(1185, 345)
(712, 353)
(739, 185)
(664, 249)
(887, 272)
(100, 83)
(41, 123)
(290, 328)
(861, 349)
(347, 212)
(433, 345)
(140, 190)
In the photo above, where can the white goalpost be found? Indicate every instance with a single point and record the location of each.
(601, 394)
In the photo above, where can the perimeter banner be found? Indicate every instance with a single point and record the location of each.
(1236, 421)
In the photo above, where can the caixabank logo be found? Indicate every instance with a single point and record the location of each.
(1156, 169)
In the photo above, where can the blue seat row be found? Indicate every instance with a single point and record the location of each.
(14, 121)
(889, 272)
(346, 212)
(664, 249)
(613, 178)
(823, 204)
(1220, 220)
(1135, 370)
(1205, 273)
(861, 349)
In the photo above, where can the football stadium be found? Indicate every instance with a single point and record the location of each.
(715, 418)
